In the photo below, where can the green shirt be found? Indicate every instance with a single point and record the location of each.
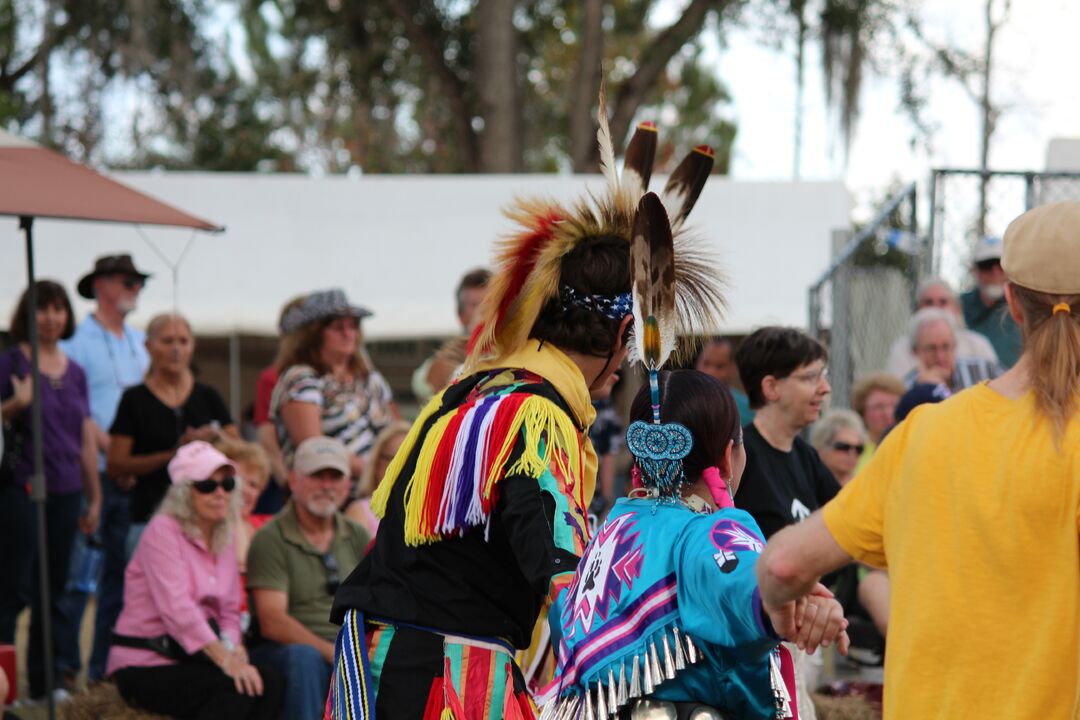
(995, 324)
(282, 559)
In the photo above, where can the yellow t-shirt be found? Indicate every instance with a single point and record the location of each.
(976, 514)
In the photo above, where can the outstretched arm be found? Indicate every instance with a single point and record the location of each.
(793, 561)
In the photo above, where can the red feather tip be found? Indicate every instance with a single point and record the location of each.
(525, 260)
(647, 125)
(705, 150)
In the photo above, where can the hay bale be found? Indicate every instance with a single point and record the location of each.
(103, 702)
(845, 708)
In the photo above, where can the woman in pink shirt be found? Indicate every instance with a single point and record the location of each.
(177, 648)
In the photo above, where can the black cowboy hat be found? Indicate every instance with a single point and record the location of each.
(108, 265)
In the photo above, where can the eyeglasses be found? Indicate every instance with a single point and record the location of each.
(940, 302)
(333, 582)
(848, 447)
(990, 264)
(208, 486)
(813, 377)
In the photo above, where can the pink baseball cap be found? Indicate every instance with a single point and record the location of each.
(196, 461)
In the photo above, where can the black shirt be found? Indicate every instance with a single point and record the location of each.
(155, 427)
(468, 585)
(780, 488)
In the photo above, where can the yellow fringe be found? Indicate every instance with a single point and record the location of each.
(550, 436)
(447, 714)
(417, 489)
(381, 495)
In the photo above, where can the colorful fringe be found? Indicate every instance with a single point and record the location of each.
(352, 694)
(465, 454)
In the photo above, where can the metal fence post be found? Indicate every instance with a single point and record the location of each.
(840, 338)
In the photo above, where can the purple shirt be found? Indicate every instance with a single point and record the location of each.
(65, 405)
(172, 586)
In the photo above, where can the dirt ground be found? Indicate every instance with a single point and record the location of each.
(22, 633)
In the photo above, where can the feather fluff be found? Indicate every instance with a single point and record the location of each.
(652, 278)
(685, 184)
(607, 147)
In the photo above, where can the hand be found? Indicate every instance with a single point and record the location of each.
(206, 433)
(245, 676)
(124, 483)
(91, 518)
(929, 375)
(821, 621)
(22, 391)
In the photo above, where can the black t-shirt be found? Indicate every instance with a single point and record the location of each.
(468, 585)
(780, 488)
(155, 427)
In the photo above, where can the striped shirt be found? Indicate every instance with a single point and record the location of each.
(967, 371)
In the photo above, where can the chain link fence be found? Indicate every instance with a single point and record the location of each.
(966, 205)
(863, 302)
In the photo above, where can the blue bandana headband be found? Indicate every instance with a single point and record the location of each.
(613, 307)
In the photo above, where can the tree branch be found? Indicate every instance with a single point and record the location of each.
(452, 88)
(653, 61)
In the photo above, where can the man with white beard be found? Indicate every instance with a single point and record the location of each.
(294, 567)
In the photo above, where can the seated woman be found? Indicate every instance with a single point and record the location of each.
(663, 615)
(176, 649)
(378, 460)
(253, 472)
(840, 439)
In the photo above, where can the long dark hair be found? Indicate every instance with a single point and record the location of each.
(703, 405)
(48, 293)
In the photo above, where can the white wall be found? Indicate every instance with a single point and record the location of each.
(398, 244)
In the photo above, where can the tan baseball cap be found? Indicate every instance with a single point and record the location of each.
(321, 453)
(1042, 249)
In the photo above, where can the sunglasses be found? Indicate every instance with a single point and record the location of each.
(208, 486)
(333, 582)
(848, 447)
(988, 264)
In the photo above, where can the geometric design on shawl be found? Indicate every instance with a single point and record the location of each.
(611, 562)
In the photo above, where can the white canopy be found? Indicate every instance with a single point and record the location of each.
(399, 244)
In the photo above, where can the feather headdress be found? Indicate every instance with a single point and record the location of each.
(529, 263)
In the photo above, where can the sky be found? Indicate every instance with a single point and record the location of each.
(1035, 56)
(1035, 53)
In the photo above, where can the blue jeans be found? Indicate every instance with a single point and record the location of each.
(113, 530)
(307, 677)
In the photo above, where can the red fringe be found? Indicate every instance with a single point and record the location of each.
(440, 469)
(500, 427)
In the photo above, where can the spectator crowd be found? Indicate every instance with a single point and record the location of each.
(220, 555)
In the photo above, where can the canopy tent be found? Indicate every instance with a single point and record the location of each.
(399, 244)
(38, 182)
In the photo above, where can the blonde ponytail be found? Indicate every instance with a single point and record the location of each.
(1052, 346)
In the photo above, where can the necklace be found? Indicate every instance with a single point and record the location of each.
(691, 502)
(105, 335)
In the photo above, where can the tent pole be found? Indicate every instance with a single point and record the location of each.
(37, 479)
